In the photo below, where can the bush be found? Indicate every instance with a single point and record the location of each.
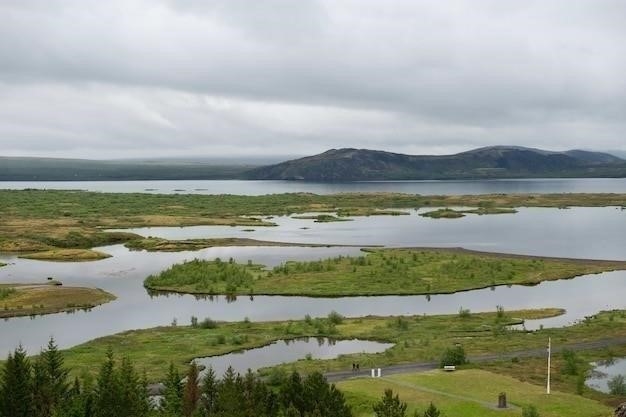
(571, 362)
(453, 356)
(464, 312)
(208, 324)
(530, 411)
(335, 318)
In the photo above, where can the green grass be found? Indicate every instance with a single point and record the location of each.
(468, 393)
(379, 272)
(418, 338)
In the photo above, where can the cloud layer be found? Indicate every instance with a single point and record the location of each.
(87, 78)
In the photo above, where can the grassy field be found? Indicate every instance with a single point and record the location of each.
(67, 255)
(152, 244)
(26, 300)
(468, 393)
(39, 220)
(379, 272)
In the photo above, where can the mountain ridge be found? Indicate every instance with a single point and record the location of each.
(351, 164)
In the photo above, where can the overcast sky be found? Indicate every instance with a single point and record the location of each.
(153, 78)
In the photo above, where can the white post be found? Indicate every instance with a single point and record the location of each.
(379, 372)
(549, 357)
(373, 373)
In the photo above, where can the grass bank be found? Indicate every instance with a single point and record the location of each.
(467, 393)
(67, 255)
(418, 338)
(26, 300)
(39, 220)
(378, 272)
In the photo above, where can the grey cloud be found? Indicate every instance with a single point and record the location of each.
(239, 76)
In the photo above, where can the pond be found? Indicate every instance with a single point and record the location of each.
(603, 372)
(285, 351)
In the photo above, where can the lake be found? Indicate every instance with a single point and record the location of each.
(538, 185)
(577, 232)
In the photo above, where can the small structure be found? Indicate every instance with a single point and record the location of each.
(502, 400)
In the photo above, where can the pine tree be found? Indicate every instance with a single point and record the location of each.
(390, 406)
(432, 411)
(292, 392)
(230, 395)
(57, 374)
(191, 392)
(171, 404)
(133, 401)
(41, 389)
(209, 392)
(16, 386)
(107, 392)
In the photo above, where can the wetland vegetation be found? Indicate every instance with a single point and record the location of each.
(42, 220)
(378, 272)
(448, 213)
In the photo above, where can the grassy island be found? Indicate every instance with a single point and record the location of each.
(378, 272)
(152, 244)
(323, 218)
(34, 299)
(448, 213)
(67, 255)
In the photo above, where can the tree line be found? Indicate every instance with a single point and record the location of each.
(42, 387)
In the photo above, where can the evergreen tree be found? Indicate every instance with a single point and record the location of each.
(209, 392)
(16, 386)
(390, 406)
(132, 401)
(56, 372)
(173, 395)
(191, 392)
(292, 392)
(230, 395)
(432, 411)
(107, 392)
(41, 389)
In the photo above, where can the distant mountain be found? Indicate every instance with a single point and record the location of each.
(53, 169)
(490, 162)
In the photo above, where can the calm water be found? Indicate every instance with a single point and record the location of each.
(578, 232)
(603, 372)
(548, 185)
(285, 351)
